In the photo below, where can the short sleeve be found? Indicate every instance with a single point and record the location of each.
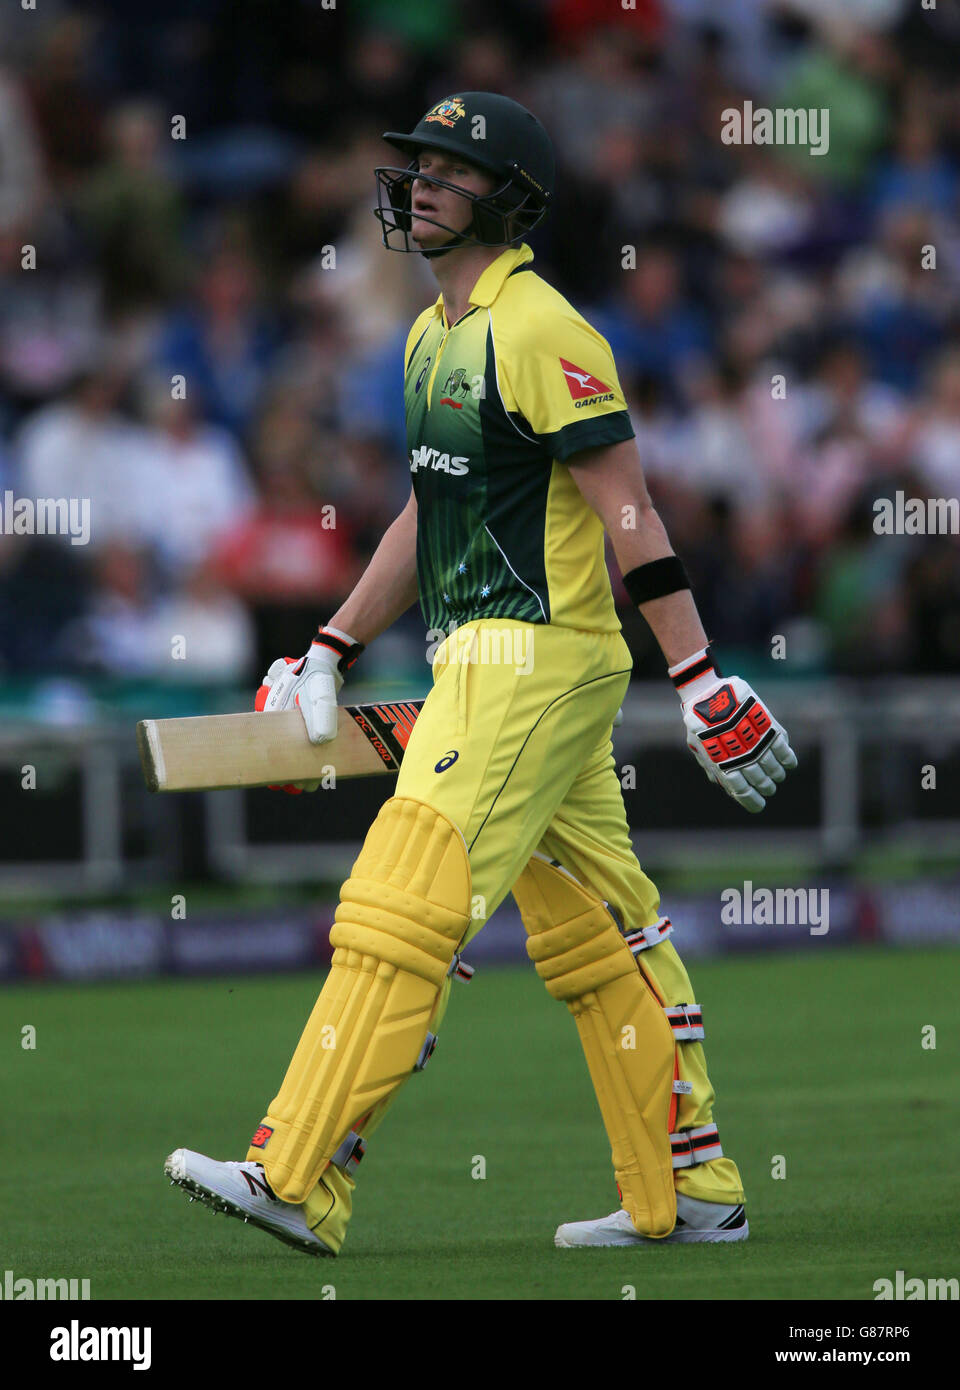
(564, 383)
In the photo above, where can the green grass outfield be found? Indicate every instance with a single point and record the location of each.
(815, 1056)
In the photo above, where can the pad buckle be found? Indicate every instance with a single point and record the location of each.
(348, 1155)
(426, 1052)
(642, 938)
(460, 970)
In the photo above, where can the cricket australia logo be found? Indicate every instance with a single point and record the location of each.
(447, 112)
(455, 385)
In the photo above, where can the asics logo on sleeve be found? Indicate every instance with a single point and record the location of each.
(425, 457)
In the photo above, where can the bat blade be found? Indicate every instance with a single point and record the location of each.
(211, 752)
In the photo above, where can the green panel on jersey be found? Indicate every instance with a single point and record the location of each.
(481, 488)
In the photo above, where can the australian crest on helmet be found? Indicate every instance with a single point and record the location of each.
(447, 112)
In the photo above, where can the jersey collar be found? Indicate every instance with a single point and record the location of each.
(491, 281)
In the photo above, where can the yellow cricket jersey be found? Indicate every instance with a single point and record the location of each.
(495, 405)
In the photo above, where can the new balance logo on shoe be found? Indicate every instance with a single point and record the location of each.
(253, 1183)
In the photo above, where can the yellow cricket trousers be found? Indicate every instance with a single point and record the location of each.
(513, 745)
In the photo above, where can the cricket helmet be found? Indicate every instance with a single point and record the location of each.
(497, 135)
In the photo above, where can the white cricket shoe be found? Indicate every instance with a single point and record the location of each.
(696, 1222)
(241, 1189)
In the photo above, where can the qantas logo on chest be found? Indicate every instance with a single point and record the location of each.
(584, 388)
(425, 457)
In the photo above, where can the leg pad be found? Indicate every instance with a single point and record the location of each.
(584, 960)
(402, 914)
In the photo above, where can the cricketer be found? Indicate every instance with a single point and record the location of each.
(522, 456)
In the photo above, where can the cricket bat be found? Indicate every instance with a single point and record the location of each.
(256, 750)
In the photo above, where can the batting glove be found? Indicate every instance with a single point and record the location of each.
(311, 684)
(731, 732)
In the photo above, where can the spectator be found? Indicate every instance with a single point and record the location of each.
(936, 429)
(202, 633)
(599, 80)
(43, 589)
(932, 596)
(223, 344)
(897, 305)
(714, 454)
(769, 211)
(848, 79)
(917, 174)
(66, 104)
(131, 212)
(858, 597)
(199, 487)
(83, 447)
(292, 557)
(22, 184)
(650, 325)
(198, 633)
(114, 635)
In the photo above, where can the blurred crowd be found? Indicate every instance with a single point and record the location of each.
(201, 332)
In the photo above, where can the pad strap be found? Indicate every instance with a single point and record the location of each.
(642, 938)
(686, 1020)
(692, 1146)
(460, 971)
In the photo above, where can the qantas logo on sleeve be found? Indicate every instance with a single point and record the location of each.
(584, 388)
